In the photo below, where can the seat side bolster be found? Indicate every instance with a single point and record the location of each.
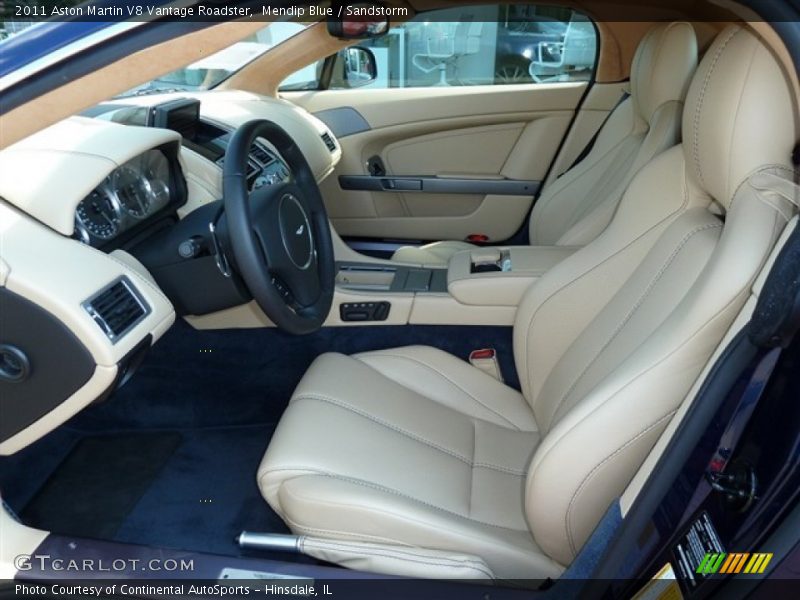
(346, 510)
(405, 561)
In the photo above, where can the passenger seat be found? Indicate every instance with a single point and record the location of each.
(577, 207)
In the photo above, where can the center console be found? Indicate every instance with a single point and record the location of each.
(381, 279)
(482, 286)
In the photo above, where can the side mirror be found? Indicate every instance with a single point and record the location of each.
(360, 66)
(358, 21)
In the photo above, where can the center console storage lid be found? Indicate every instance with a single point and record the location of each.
(517, 269)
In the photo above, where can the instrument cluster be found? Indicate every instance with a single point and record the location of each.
(127, 197)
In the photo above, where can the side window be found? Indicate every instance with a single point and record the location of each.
(481, 45)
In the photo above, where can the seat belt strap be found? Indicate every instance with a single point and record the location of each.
(588, 148)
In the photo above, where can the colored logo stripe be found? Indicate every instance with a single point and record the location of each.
(758, 563)
(710, 563)
(733, 563)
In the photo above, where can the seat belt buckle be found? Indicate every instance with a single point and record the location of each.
(477, 238)
(485, 359)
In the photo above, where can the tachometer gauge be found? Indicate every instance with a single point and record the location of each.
(133, 191)
(99, 214)
(155, 168)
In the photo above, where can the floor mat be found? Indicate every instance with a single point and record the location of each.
(98, 484)
(192, 490)
(206, 494)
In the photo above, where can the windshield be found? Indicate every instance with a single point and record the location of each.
(211, 70)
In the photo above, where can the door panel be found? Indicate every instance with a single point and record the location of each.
(480, 132)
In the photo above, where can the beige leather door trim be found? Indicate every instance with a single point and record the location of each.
(483, 132)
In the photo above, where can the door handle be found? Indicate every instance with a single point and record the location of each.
(375, 166)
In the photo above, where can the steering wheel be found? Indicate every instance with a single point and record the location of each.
(279, 233)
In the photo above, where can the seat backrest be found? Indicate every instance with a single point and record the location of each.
(575, 208)
(610, 341)
(580, 43)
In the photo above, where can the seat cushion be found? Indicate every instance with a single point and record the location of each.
(410, 447)
(437, 253)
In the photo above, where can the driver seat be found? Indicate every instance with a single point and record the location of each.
(410, 461)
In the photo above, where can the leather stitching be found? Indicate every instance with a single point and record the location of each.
(758, 193)
(630, 382)
(470, 487)
(618, 185)
(387, 490)
(633, 379)
(546, 202)
(295, 527)
(335, 544)
(659, 45)
(643, 157)
(593, 472)
(700, 102)
(735, 124)
(662, 42)
(637, 305)
(408, 434)
(441, 374)
(452, 563)
(583, 274)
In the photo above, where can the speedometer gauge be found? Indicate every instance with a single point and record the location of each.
(133, 191)
(99, 214)
(142, 185)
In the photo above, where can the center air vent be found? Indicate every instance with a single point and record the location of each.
(253, 168)
(117, 309)
(261, 155)
(326, 137)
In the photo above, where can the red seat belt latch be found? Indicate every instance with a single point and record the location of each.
(485, 359)
(483, 353)
(477, 238)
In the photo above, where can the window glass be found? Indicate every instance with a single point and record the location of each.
(209, 71)
(481, 45)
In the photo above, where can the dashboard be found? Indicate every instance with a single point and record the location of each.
(137, 191)
(127, 198)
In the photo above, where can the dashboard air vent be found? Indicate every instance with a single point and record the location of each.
(261, 154)
(117, 308)
(253, 168)
(326, 137)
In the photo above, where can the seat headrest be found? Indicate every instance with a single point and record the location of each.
(739, 115)
(663, 66)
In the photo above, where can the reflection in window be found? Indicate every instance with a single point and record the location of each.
(485, 45)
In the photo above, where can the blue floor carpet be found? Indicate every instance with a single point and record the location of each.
(223, 393)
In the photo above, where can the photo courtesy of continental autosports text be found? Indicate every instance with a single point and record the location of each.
(180, 590)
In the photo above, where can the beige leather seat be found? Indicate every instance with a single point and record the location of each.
(578, 206)
(410, 461)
